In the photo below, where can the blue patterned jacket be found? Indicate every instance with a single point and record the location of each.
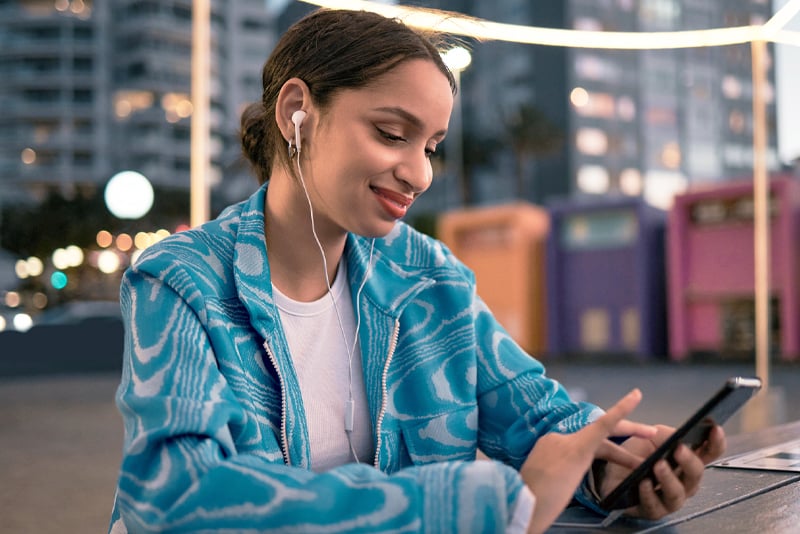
(215, 433)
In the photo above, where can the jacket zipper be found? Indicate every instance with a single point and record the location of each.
(384, 390)
(284, 439)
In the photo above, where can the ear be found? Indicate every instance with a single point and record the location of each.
(294, 95)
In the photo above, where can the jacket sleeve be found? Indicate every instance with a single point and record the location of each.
(183, 472)
(518, 402)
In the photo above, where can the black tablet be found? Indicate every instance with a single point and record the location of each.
(694, 432)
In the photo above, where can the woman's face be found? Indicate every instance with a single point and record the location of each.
(368, 158)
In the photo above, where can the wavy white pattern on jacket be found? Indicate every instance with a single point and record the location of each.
(209, 395)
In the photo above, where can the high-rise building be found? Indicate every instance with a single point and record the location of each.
(94, 88)
(653, 122)
(54, 115)
(647, 122)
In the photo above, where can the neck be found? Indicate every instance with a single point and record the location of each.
(295, 260)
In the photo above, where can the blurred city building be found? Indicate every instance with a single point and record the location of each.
(93, 88)
(54, 117)
(639, 123)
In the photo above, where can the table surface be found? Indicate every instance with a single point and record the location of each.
(729, 500)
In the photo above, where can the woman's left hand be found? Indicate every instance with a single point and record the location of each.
(673, 486)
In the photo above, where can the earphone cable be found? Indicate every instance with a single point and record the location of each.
(350, 404)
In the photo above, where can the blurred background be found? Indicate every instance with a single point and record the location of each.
(604, 199)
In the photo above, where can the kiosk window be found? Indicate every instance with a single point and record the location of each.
(600, 229)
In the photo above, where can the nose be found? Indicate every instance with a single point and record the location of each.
(415, 172)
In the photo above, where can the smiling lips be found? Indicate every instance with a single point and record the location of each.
(395, 204)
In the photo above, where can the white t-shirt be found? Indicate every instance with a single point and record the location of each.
(322, 363)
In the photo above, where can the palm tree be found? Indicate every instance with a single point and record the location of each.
(531, 135)
(479, 151)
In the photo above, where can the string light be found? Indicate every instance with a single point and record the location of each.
(772, 30)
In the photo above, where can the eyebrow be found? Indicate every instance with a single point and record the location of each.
(410, 117)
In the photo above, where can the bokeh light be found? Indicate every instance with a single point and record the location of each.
(129, 195)
(28, 156)
(12, 299)
(104, 239)
(142, 240)
(108, 261)
(579, 97)
(124, 242)
(21, 269)
(457, 58)
(74, 255)
(59, 280)
(60, 259)
(39, 300)
(35, 266)
(22, 322)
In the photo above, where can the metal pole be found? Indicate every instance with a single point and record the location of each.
(761, 211)
(456, 147)
(200, 130)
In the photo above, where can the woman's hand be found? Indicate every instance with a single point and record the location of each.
(673, 486)
(558, 462)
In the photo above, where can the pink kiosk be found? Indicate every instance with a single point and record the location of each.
(710, 271)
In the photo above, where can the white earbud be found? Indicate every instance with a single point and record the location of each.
(297, 118)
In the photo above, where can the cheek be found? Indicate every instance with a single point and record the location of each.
(372, 160)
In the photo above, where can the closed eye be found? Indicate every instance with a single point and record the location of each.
(429, 152)
(390, 137)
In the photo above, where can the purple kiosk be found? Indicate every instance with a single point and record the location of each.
(605, 279)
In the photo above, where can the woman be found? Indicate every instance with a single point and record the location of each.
(306, 362)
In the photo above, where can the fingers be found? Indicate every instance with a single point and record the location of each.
(650, 505)
(630, 428)
(690, 469)
(667, 496)
(613, 423)
(607, 423)
(613, 453)
(673, 486)
(714, 447)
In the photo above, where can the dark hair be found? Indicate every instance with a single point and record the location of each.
(330, 50)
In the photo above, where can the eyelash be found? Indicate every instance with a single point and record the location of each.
(396, 138)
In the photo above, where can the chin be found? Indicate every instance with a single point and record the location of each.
(377, 231)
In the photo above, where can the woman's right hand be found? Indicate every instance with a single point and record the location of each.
(558, 462)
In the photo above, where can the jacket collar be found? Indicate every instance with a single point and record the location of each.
(389, 286)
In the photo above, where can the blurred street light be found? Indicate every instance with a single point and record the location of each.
(104, 239)
(129, 195)
(22, 322)
(108, 261)
(457, 58)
